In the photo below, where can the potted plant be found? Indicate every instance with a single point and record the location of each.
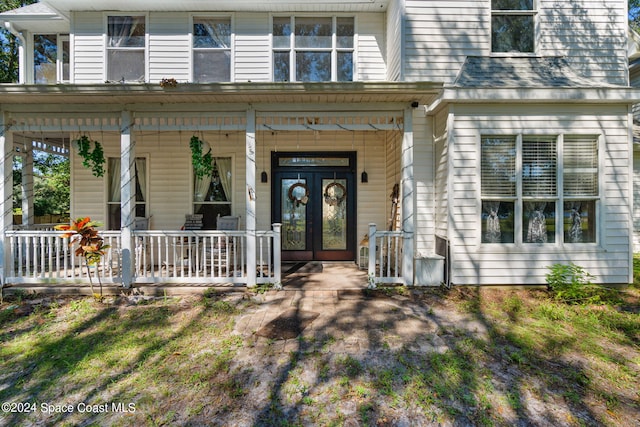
(202, 163)
(92, 155)
(90, 245)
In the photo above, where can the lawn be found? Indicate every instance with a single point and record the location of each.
(466, 356)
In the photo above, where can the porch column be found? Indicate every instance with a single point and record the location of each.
(250, 195)
(127, 196)
(27, 184)
(408, 193)
(6, 192)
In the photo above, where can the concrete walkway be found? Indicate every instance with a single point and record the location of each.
(324, 276)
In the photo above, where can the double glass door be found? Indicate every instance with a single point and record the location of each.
(314, 199)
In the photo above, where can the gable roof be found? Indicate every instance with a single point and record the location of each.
(505, 72)
(36, 17)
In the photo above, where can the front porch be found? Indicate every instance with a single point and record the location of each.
(39, 259)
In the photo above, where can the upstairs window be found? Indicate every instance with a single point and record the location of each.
(313, 49)
(50, 58)
(126, 43)
(211, 50)
(512, 26)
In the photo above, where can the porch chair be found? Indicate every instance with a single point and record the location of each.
(222, 247)
(141, 252)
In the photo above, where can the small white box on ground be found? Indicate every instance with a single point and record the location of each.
(428, 270)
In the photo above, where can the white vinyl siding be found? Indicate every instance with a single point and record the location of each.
(590, 34)
(439, 35)
(169, 48)
(475, 263)
(423, 171)
(252, 58)
(394, 25)
(88, 48)
(370, 47)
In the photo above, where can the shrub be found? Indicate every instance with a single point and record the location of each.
(571, 283)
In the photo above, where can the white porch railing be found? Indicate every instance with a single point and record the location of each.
(157, 257)
(41, 256)
(386, 256)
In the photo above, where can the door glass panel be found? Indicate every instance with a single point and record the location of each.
(295, 196)
(334, 214)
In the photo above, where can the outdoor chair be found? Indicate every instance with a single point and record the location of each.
(220, 251)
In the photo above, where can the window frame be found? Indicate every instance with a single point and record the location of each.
(229, 203)
(230, 49)
(144, 49)
(110, 203)
(533, 12)
(518, 199)
(59, 62)
(334, 50)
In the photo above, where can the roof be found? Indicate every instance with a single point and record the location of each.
(505, 72)
(36, 17)
(223, 93)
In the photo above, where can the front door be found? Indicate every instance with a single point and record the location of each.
(314, 199)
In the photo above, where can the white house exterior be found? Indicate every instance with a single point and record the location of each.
(506, 126)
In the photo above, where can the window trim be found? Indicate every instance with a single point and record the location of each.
(231, 48)
(107, 178)
(59, 64)
(105, 18)
(233, 184)
(534, 13)
(334, 48)
(519, 245)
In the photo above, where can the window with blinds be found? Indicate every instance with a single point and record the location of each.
(539, 167)
(580, 174)
(521, 178)
(498, 166)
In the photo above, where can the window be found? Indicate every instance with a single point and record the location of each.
(211, 50)
(114, 188)
(512, 26)
(126, 42)
(528, 197)
(49, 67)
(212, 194)
(313, 49)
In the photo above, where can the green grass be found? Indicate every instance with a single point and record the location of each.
(180, 362)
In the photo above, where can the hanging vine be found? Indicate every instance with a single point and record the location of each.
(91, 159)
(202, 163)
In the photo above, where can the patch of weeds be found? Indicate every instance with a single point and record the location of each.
(306, 400)
(262, 288)
(367, 412)
(572, 284)
(82, 306)
(512, 305)
(384, 381)
(351, 366)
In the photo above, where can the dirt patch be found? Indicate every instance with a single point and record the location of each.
(288, 325)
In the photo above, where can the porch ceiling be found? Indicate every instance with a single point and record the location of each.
(222, 93)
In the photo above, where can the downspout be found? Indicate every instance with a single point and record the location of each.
(21, 57)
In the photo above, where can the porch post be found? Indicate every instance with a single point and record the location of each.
(408, 192)
(127, 196)
(277, 255)
(27, 184)
(250, 195)
(371, 269)
(6, 192)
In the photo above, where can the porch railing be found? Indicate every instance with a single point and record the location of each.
(386, 252)
(157, 257)
(44, 256)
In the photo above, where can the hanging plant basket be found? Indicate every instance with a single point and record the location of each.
(202, 163)
(92, 155)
